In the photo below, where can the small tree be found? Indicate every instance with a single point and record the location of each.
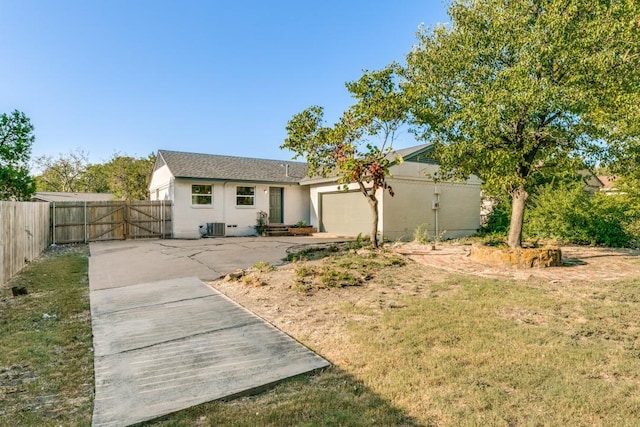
(16, 139)
(345, 150)
(511, 87)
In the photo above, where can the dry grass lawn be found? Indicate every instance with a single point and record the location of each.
(419, 338)
(496, 346)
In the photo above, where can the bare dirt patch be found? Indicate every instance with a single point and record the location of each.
(333, 320)
(580, 263)
(317, 317)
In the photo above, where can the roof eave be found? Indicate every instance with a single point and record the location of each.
(256, 181)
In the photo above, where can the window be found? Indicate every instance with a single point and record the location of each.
(245, 196)
(201, 194)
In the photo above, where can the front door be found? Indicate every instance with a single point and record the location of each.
(275, 205)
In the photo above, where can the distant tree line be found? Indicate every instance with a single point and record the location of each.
(126, 177)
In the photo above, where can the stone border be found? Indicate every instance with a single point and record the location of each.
(550, 256)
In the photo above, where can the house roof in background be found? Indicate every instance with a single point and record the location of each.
(72, 197)
(608, 182)
(230, 168)
(418, 153)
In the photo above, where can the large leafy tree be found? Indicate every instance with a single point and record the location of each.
(16, 139)
(358, 147)
(512, 87)
(129, 176)
(64, 173)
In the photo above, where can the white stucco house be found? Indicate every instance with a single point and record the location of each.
(230, 192)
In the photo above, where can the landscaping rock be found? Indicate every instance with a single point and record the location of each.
(235, 276)
(17, 291)
(522, 258)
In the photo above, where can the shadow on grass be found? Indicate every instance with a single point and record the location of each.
(572, 262)
(327, 398)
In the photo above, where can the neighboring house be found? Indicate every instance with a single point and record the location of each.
(591, 181)
(608, 184)
(230, 192)
(55, 197)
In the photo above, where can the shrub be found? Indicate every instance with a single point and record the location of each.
(421, 234)
(571, 214)
(263, 266)
(338, 278)
(498, 220)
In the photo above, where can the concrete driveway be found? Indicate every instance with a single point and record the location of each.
(164, 340)
(137, 261)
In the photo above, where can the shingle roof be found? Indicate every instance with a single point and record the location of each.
(404, 152)
(210, 166)
(607, 181)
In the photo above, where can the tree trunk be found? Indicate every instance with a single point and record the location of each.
(370, 194)
(518, 198)
(373, 202)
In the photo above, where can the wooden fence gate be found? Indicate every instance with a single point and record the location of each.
(82, 222)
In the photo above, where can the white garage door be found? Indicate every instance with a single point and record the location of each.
(348, 214)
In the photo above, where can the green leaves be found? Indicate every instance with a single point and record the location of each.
(511, 87)
(16, 139)
(358, 147)
(125, 176)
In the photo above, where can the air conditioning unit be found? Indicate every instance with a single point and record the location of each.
(215, 229)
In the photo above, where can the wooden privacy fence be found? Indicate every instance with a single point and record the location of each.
(24, 234)
(82, 222)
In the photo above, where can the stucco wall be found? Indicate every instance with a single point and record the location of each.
(412, 205)
(458, 208)
(314, 201)
(413, 170)
(239, 220)
(160, 187)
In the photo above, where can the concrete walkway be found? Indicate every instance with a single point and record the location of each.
(165, 341)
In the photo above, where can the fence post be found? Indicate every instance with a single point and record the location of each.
(85, 222)
(53, 226)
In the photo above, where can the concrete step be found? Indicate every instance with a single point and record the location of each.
(277, 230)
(278, 233)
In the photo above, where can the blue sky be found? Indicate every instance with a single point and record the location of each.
(213, 77)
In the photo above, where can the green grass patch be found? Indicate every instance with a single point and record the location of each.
(46, 362)
(328, 250)
(489, 352)
(460, 351)
(330, 398)
(313, 253)
(263, 266)
(347, 268)
(338, 278)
